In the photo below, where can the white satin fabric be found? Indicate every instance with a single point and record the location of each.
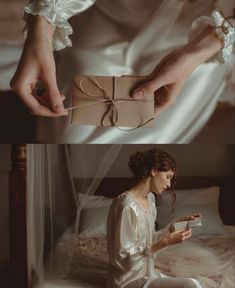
(131, 37)
(131, 234)
(58, 12)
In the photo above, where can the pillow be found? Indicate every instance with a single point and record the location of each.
(200, 196)
(211, 221)
(93, 221)
(94, 200)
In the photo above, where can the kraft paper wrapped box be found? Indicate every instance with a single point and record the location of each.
(106, 101)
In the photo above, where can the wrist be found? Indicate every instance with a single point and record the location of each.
(204, 46)
(164, 242)
(158, 245)
(39, 23)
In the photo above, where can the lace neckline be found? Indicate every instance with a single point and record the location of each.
(132, 196)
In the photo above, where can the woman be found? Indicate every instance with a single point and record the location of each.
(131, 238)
(127, 37)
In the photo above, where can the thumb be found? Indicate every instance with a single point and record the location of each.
(148, 88)
(54, 97)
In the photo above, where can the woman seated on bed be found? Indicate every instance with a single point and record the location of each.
(131, 238)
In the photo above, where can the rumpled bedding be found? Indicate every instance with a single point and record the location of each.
(208, 259)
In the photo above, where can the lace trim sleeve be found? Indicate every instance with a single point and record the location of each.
(224, 30)
(58, 12)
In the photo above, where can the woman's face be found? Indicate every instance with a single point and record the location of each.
(161, 180)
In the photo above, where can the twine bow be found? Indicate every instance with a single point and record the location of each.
(104, 97)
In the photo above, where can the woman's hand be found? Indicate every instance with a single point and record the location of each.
(37, 64)
(184, 218)
(170, 75)
(177, 236)
(171, 238)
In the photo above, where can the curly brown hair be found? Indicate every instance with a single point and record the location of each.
(142, 162)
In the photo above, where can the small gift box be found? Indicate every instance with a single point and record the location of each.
(106, 101)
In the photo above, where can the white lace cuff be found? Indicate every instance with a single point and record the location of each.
(224, 29)
(58, 12)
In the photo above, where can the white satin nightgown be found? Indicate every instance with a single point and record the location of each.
(130, 235)
(127, 37)
(130, 37)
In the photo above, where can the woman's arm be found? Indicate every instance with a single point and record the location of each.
(37, 63)
(170, 75)
(124, 252)
(171, 238)
(167, 236)
(48, 30)
(211, 35)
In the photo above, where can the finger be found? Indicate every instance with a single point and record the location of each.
(42, 110)
(38, 109)
(54, 96)
(194, 216)
(33, 104)
(179, 231)
(148, 88)
(197, 216)
(187, 233)
(185, 218)
(156, 80)
(170, 98)
(190, 217)
(44, 99)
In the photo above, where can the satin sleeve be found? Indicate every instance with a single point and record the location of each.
(222, 19)
(57, 12)
(127, 254)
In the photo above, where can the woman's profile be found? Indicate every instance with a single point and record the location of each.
(132, 240)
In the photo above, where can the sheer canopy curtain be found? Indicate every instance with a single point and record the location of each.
(52, 202)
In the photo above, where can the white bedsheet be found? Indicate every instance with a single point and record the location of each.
(210, 259)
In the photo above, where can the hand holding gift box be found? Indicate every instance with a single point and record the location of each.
(106, 101)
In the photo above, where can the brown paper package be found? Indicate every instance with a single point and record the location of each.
(106, 101)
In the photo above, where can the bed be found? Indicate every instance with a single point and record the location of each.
(208, 255)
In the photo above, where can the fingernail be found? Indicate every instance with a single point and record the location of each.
(59, 109)
(138, 93)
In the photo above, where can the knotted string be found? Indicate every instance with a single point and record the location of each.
(112, 111)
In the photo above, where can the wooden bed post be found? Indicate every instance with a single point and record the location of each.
(17, 215)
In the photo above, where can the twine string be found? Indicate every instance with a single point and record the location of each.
(112, 111)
